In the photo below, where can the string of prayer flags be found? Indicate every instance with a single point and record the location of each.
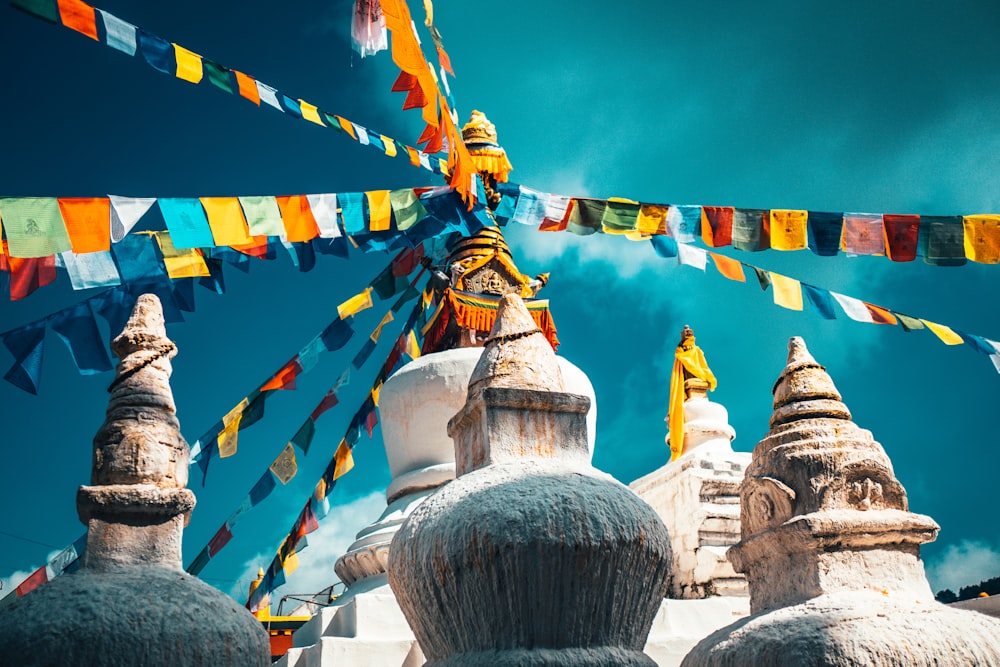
(67, 560)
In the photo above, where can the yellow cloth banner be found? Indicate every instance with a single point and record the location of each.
(412, 346)
(310, 112)
(652, 219)
(947, 336)
(390, 145)
(344, 460)
(378, 330)
(225, 218)
(355, 304)
(379, 210)
(789, 230)
(188, 64)
(291, 563)
(285, 466)
(982, 238)
(787, 291)
(186, 263)
(230, 429)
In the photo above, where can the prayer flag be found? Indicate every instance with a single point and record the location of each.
(263, 216)
(344, 460)
(664, 246)
(717, 225)
(119, 34)
(348, 127)
(33, 581)
(199, 563)
(901, 234)
(620, 216)
(863, 234)
(684, 223)
(247, 87)
(909, 323)
(585, 216)
(825, 232)
(225, 219)
(310, 113)
(880, 315)
(78, 329)
(300, 225)
(942, 240)
(309, 355)
(379, 209)
(362, 356)
(787, 292)
(186, 263)
(763, 278)
(94, 269)
(27, 344)
(789, 229)
(324, 210)
(652, 219)
(188, 64)
(238, 513)
(219, 540)
(304, 436)
(390, 146)
(187, 223)
(356, 304)
(227, 438)
(43, 9)
(27, 275)
(406, 207)
(336, 335)
(982, 238)
(218, 75)
(691, 256)
(352, 209)
(34, 227)
(855, 308)
(262, 489)
(268, 95)
(412, 345)
(750, 229)
(362, 134)
(329, 401)
(290, 106)
(88, 223)
(79, 16)
(284, 378)
(285, 466)
(125, 213)
(728, 267)
(947, 336)
(821, 301)
(158, 52)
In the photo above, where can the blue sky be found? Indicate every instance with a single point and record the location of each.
(851, 106)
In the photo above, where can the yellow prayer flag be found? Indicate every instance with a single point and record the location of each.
(310, 113)
(379, 209)
(344, 460)
(412, 346)
(226, 220)
(356, 304)
(787, 291)
(390, 145)
(285, 466)
(186, 263)
(376, 391)
(188, 64)
(789, 230)
(291, 563)
(947, 336)
(652, 219)
(378, 330)
(982, 238)
(320, 491)
(230, 429)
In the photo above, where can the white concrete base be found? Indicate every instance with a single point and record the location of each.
(680, 624)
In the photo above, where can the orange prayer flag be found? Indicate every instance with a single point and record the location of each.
(379, 210)
(880, 315)
(982, 238)
(226, 220)
(414, 156)
(256, 248)
(79, 16)
(248, 87)
(88, 223)
(729, 267)
(300, 225)
(284, 379)
(344, 460)
(348, 127)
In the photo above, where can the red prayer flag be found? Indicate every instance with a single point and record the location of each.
(220, 540)
(328, 402)
(285, 377)
(36, 579)
(78, 16)
(88, 222)
(901, 233)
(717, 225)
(407, 260)
(300, 225)
(28, 274)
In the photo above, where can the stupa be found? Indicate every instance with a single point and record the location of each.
(531, 556)
(131, 603)
(831, 551)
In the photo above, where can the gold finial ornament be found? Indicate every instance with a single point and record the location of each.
(691, 378)
(488, 157)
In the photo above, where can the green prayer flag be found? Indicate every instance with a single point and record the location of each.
(620, 216)
(908, 323)
(218, 75)
(263, 216)
(34, 226)
(585, 218)
(331, 121)
(199, 562)
(407, 208)
(763, 277)
(43, 9)
(304, 437)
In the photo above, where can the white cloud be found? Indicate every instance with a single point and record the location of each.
(963, 564)
(335, 534)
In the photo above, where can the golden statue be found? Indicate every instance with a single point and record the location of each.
(691, 377)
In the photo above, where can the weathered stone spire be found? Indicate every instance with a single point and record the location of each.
(131, 603)
(830, 550)
(531, 556)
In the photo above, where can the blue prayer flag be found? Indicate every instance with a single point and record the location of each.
(352, 210)
(187, 223)
(27, 344)
(821, 300)
(824, 232)
(664, 246)
(158, 52)
(262, 489)
(77, 328)
(336, 335)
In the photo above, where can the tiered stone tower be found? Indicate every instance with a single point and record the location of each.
(830, 550)
(131, 603)
(531, 556)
